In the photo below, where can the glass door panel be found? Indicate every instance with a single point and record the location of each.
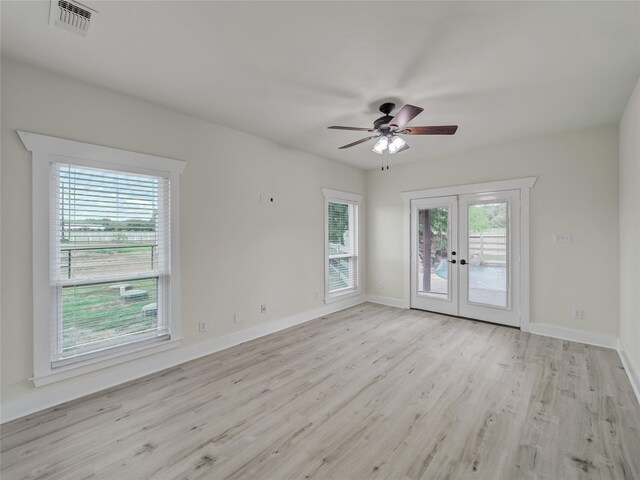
(488, 253)
(434, 283)
(489, 257)
(433, 251)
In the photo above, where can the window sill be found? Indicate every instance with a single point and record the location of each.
(336, 297)
(73, 370)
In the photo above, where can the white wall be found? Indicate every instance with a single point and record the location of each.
(576, 192)
(630, 232)
(236, 254)
(233, 249)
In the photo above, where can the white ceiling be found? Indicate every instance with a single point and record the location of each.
(287, 70)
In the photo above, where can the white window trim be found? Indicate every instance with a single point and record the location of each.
(522, 184)
(354, 199)
(45, 150)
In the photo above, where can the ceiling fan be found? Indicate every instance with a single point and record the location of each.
(388, 128)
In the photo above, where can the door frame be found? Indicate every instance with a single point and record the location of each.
(522, 184)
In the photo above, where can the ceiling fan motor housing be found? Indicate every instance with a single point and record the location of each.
(382, 121)
(385, 108)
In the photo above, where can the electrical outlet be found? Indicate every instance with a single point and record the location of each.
(380, 286)
(576, 313)
(317, 294)
(263, 309)
(202, 327)
(562, 238)
(266, 199)
(239, 317)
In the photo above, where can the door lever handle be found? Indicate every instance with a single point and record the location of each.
(463, 262)
(452, 261)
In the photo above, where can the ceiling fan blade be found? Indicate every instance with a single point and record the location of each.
(362, 140)
(433, 130)
(405, 115)
(337, 127)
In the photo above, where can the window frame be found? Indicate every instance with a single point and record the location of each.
(46, 150)
(335, 196)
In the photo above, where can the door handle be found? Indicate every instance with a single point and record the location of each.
(452, 261)
(463, 262)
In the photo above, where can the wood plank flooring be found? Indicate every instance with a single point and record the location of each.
(370, 392)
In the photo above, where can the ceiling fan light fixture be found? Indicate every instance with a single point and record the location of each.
(396, 144)
(381, 145)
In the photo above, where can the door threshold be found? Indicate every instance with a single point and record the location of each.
(468, 318)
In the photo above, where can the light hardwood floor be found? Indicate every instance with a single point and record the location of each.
(371, 392)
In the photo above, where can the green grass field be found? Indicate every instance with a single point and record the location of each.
(100, 307)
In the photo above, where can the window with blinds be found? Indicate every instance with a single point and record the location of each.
(342, 246)
(110, 235)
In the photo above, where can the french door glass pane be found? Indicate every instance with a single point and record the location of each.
(488, 254)
(433, 255)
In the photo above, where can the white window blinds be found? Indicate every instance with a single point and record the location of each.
(342, 246)
(110, 235)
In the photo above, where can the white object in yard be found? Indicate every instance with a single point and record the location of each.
(150, 310)
(133, 294)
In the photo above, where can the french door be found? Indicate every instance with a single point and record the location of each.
(434, 276)
(465, 256)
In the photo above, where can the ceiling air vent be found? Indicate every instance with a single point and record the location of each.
(72, 16)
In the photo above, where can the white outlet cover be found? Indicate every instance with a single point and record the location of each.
(239, 317)
(576, 313)
(562, 238)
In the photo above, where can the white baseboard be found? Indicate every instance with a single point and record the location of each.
(388, 301)
(51, 395)
(633, 372)
(579, 336)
